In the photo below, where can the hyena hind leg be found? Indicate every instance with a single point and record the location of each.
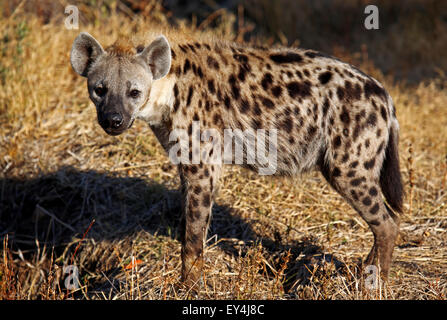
(361, 188)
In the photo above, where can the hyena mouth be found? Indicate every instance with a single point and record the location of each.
(112, 132)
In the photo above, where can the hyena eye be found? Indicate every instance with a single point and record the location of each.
(134, 93)
(100, 91)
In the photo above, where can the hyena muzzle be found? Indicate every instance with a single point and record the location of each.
(328, 115)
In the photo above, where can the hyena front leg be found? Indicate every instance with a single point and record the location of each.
(198, 185)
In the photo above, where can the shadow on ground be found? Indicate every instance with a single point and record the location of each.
(57, 207)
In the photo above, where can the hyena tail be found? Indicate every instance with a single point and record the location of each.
(390, 176)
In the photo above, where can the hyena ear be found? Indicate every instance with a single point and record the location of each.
(157, 56)
(84, 51)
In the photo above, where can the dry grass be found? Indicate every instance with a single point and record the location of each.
(69, 194)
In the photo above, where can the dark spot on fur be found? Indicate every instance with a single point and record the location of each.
(352, 93)
(369, 164)
(227, 102)
(195, 117)
(325, 106)
(199, 72)
(366, 201)
(242, 73)
(257, 111)
(337, 142)
(194, 202)
(311, 131)
(289, 57)
(176, 105)
(241, 57)
(267, 80)
(216, 118)
(212, 63)
(336, 172)
(256, 123)
(211, 87)
(371, 88)
(192, 48)
(358, 181)
(374, 208)
(190, 93)
(354, 164)
(206, 200)
(351, 174)
(186, 66)
(193, 169)
(276, 91)
(234, 87)
(207, 105)
(372, 119)
(287, 124)
(184, 49)
(325, 77)
(373, 192)
(178, 71)
(344, 117)
(141, 48)
(297, 89)
(197, 189)
(340, 93)
(244, 106)
(267, 103)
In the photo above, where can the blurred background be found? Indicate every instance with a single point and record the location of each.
(411, 41)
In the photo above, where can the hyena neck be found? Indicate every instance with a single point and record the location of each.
(156, 110)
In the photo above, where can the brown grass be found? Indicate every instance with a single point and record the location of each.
(70, 194)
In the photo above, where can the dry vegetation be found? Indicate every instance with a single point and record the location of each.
(70, 194)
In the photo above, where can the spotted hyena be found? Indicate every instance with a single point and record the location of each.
(328, 115)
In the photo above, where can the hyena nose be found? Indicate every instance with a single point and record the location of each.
(115, 120)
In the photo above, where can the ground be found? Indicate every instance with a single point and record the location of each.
(71, 195)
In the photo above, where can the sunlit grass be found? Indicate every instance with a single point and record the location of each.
(269, 239)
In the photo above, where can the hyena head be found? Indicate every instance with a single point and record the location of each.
(119, 78)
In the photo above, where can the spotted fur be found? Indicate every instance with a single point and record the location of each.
(329, 116)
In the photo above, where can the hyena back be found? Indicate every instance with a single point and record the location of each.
(328, 115)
